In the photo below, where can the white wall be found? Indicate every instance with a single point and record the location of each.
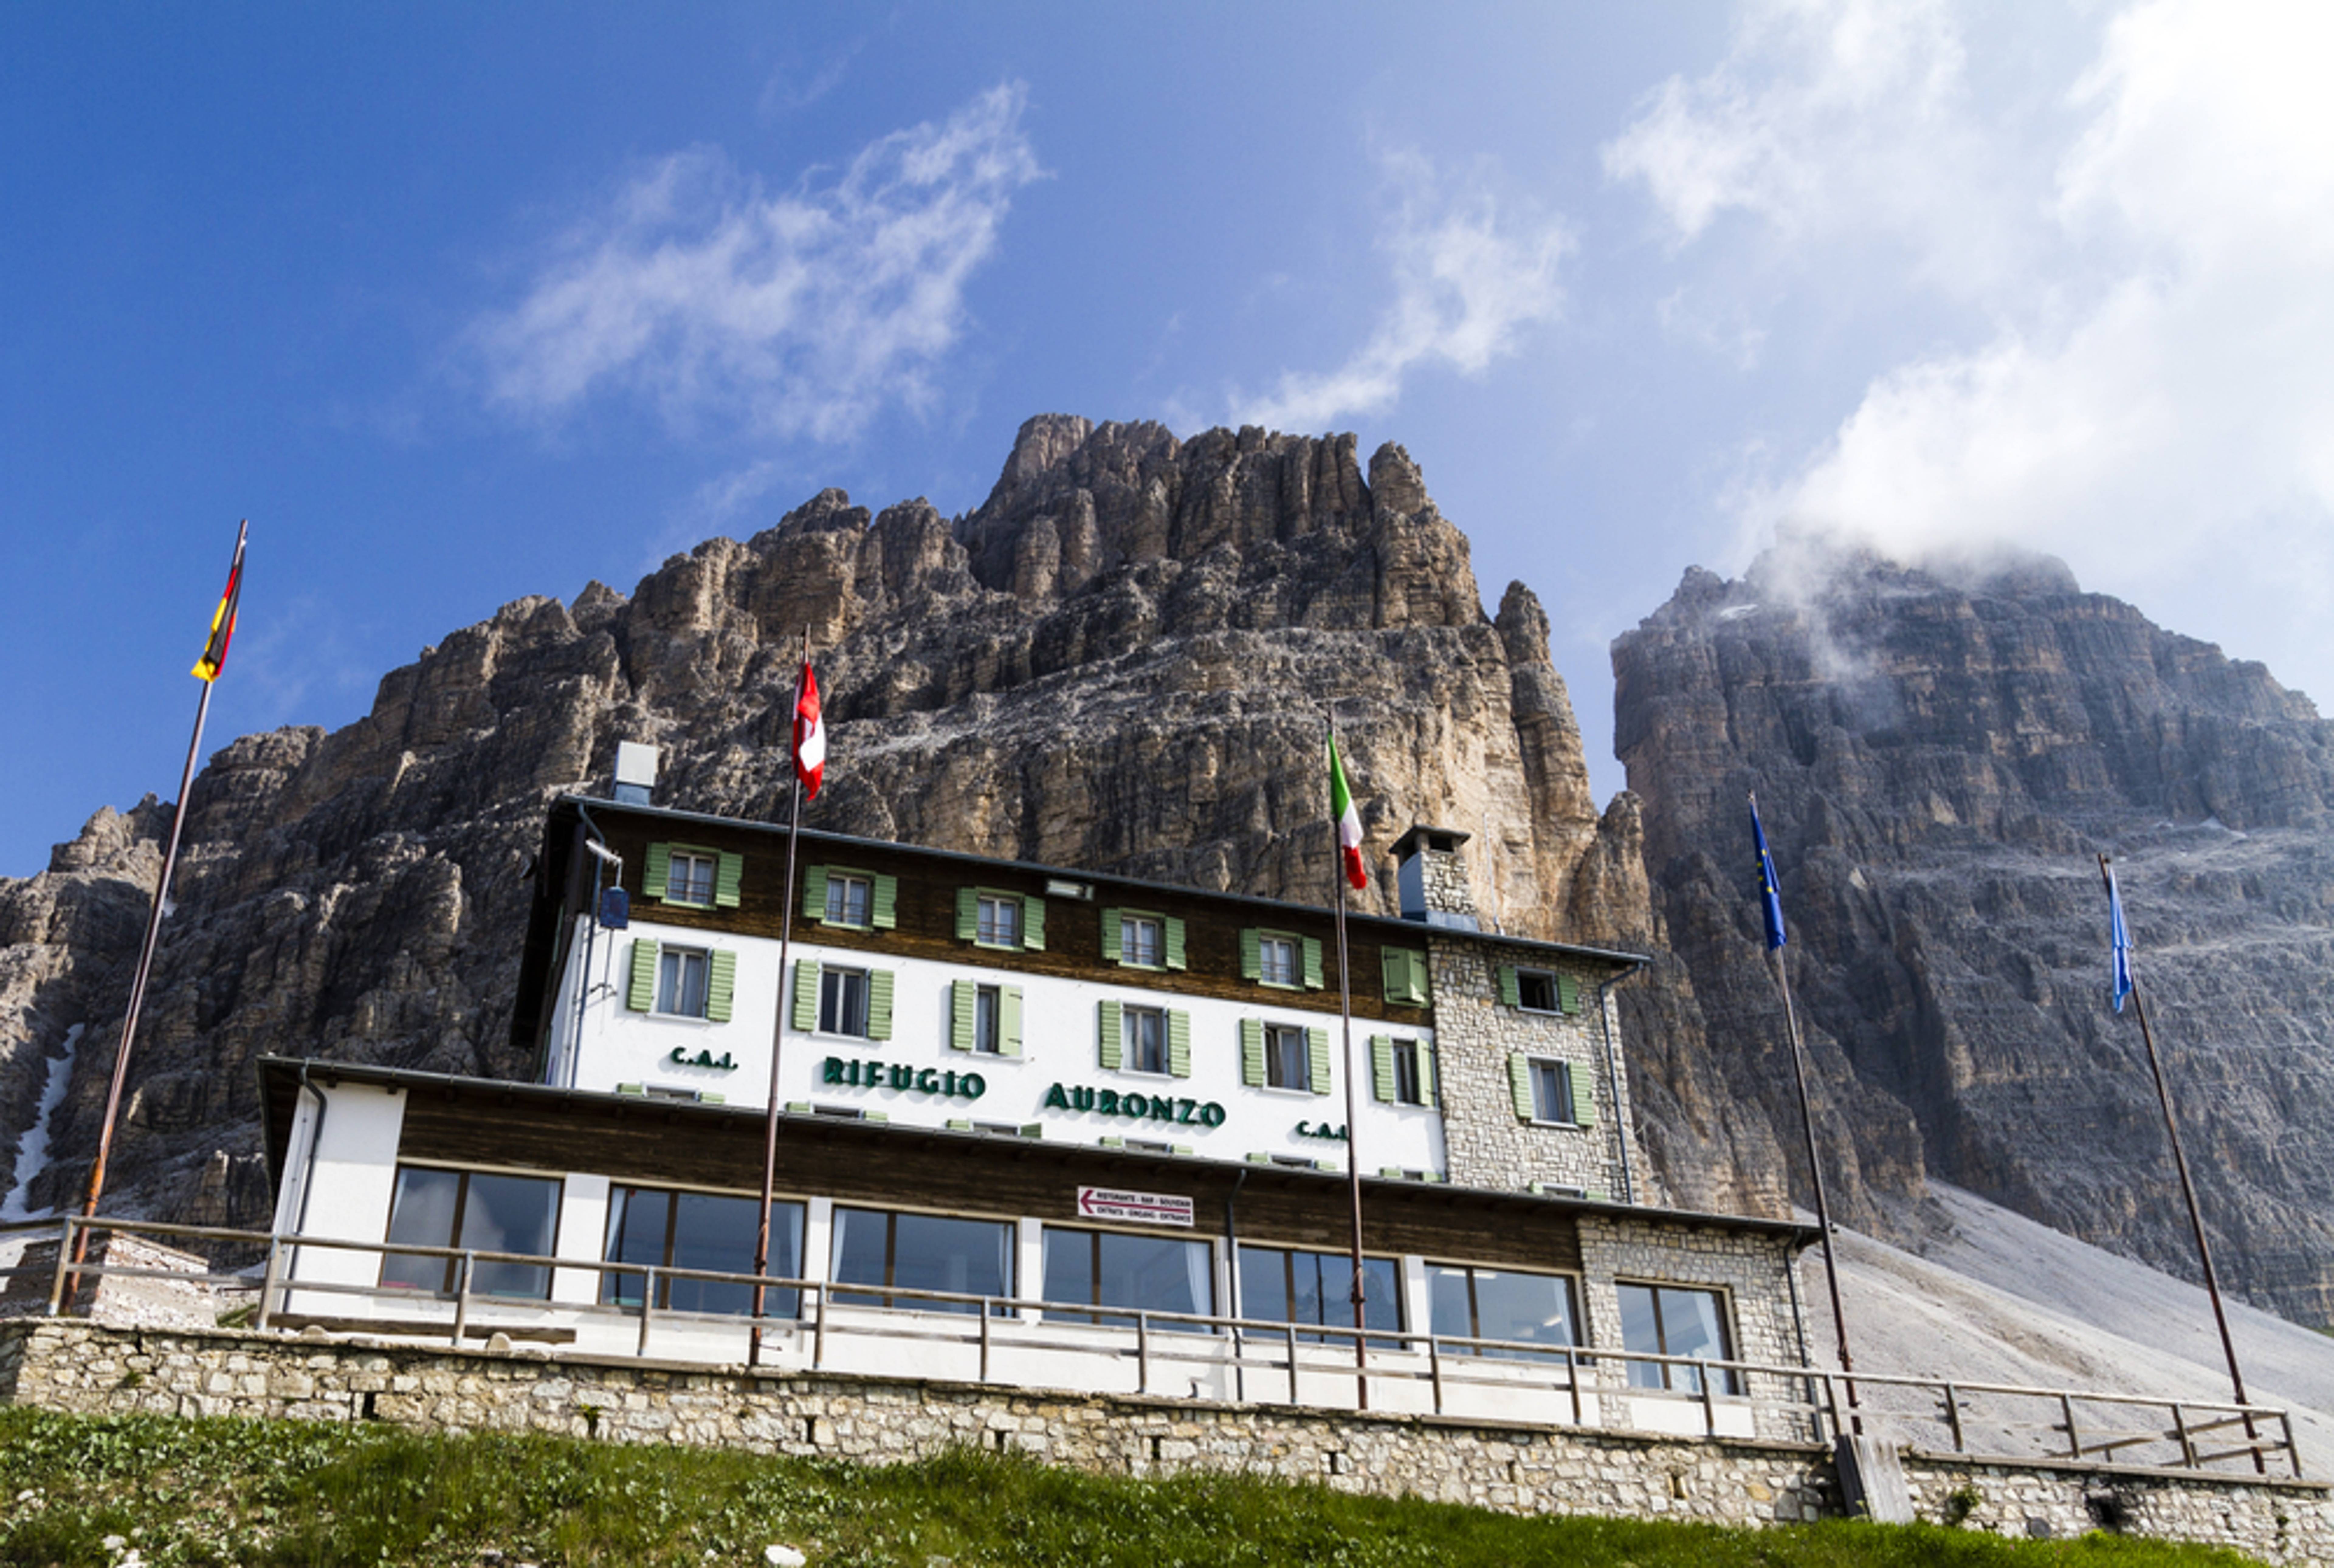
(354, 1177)
(1060, 1031)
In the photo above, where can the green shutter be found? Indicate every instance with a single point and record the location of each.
(1394, 966)
(959, 1125)
(1425, 1072)
(641, 995)
(1381, 1067)
(1252, 1052)
(1584, 1096)
(962, 995)
(1256, 1158)
(1519, 1084)
(1110, 1049)
(1009, 1020)
(720, 984)
(874, 1116)
(1033, 925)
(1181, 1148)
(1509, 991)
(1597, 1195)
(967, 914)
(1251, 953)
(879, 1004)
(727, 870)
(884, 903)
(1174, 926)
(1317, 1047)
(1568, 988)
(815, 894)
(1391, 1173)
(660, 867)
(1033, 1129)
(798, 1107)
(1114, 1142)
(806, 995)
(1114, 944)
(1313, 964)
(1179, 1044)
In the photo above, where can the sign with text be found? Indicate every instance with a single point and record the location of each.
(1140, 1207)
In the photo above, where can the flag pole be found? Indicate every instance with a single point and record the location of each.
(1353, 1157)
(2179, 1156)
(779, 1022)
(223, 623)
(1772, 895)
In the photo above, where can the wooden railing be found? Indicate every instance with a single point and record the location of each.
(1252, 1360)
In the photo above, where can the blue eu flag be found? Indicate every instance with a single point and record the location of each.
(1770, 898)
(2119, 941)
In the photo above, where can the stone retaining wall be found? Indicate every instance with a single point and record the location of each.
(79, 1367)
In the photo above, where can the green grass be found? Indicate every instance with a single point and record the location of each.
(258, 1493)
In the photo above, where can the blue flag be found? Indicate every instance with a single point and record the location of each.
(1771, 897)
(2119, 941)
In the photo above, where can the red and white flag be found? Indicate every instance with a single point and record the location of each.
(1348, 819)
(810, 733)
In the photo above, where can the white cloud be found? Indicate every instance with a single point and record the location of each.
(1472, 275)
(2150, 392)
(800, 314)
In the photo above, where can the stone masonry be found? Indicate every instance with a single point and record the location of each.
(89, 1369)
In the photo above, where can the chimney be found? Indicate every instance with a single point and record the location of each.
(1431, 878)
(636, 773)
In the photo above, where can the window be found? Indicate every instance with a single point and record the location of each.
(682, 982)
(990, 919)
(985, 1018)
(999, 922)
(854, 1003)
(843, 1002)
(1668, 1320)
(478, 1210)
(1401, 1072)
(852, 900)
(1145, 1039)
(1286, 1286)
(1276, 960)
(1482, 1303)
(1549, 1091)
(1104, 1268)
(692, 876)
(698, 1230)
(1284, 1056)
(1405, 976)
(1142, 940)
(1539, 990)
(1280, 959)
(920, 1252)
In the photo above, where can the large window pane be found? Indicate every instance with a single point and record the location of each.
(1677, 1321)
(636, 1234)
(1106, 1269)
(476, 1210)
(863, 1246)
(921, 1252)
(1485, 1303)
(1316, 1287)
(421, 1214)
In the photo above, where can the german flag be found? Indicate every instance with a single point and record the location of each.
(213, 658)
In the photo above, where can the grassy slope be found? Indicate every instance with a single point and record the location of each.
(286, 1492)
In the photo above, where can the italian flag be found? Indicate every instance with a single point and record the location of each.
(810, 734)
(1349, 821)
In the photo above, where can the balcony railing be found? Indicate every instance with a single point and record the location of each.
(1022, 1341)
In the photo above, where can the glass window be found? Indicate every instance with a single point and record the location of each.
(1406, 1087)
(698, 1230)
(476, 1210)
(1551, 1086)
(985, 1010)
(846, 899)
(1282, 1285)
(1276, 960)
(842, 1001)
(876, 1246)
(1536, 990)
(680, 981)
(1104, 1268)
(1668, 1320)
(1138, 940)
(1482, 1303)
(1145, 1039)
(998, 921)
(689, 878)
(1288, 1057)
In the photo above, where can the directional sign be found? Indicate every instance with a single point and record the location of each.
(1142, 1207)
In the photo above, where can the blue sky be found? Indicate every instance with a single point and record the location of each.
(462, 304)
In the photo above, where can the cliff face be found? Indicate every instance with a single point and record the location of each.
(1122, 661)
(1938, 762)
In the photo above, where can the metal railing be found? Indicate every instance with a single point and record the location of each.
(1250, 1360)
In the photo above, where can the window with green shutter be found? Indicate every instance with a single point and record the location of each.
(985, 1018)
(851, 899)
(1140, 939)
(1399, 1072)
(692, 876)
(1406, 975)
(991, 918)
(1536, 990)
(1279, 958)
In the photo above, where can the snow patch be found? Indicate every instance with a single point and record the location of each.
(33, 1154)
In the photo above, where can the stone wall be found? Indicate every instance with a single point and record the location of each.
(91, 1369)
(1748, 1267)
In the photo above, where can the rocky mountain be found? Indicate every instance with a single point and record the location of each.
(1123, 659)
(1939, 755)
